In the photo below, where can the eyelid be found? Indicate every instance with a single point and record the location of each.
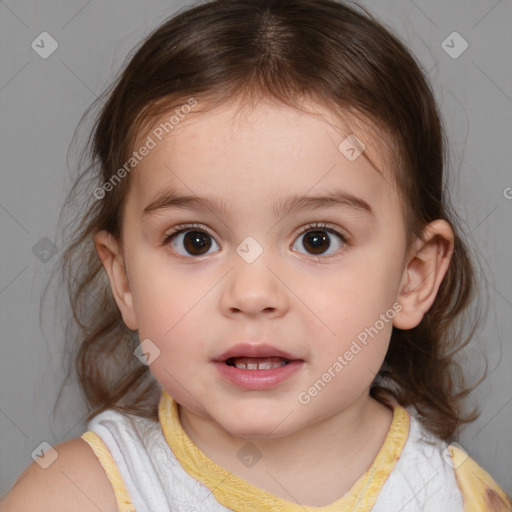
(186, 227)
(330, 228)
(318, 225)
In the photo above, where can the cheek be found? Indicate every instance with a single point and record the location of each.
(353, 300)
(170, 309)
(165, 298)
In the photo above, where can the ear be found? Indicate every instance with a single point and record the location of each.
(110, 251)
(427, 265)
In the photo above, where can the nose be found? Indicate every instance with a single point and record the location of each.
(253, 289)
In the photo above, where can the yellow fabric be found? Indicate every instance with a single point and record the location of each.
(238, 494)
(479, 491)
(124, 502)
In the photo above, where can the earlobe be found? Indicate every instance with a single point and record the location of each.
(426, 267)
(111, 255)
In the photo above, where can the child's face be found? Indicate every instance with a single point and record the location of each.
(325, 302)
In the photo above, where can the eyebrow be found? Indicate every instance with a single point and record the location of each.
(169, 199)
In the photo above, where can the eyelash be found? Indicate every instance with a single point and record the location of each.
(181, 228)
(322, 226)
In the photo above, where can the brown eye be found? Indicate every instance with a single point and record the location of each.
(317, 240)
(194, 242)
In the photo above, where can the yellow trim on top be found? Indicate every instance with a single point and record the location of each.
(238, 494)
(124, 502)
(479, 491)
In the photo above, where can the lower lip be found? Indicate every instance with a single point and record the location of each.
(258, 379)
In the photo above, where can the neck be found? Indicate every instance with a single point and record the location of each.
(315, 465)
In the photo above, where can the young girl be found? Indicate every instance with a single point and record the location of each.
(269, 279)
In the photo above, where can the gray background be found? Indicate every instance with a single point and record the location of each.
(42, 100)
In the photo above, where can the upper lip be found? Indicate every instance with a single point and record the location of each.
(254, 350)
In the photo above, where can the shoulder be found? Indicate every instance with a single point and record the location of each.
(449, 470)
(480, 492)
(75, 477)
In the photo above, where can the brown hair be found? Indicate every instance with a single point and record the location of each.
(285, 50)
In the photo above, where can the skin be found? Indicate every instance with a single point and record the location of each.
(193, 308)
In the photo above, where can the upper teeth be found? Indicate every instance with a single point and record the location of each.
(259, 366)
(256, 363)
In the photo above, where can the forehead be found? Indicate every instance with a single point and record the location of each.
(263, 151)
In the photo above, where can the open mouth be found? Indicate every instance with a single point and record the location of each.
(273, 366)
(256, 363)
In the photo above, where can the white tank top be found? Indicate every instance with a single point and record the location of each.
(414, 471)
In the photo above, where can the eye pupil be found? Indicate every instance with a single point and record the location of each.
(318, 240)
(197, 241)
